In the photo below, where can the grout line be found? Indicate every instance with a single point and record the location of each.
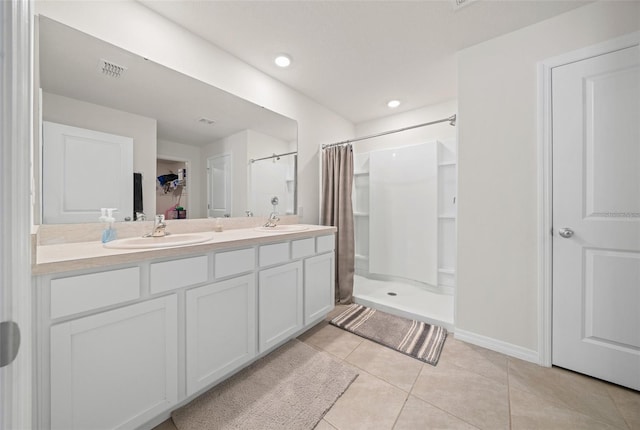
(509, 391)
(424, 366)
(615, 404)
(406, 399)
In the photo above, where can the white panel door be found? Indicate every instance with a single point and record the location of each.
(596, 216)
(221, 330)
(403, 215)
(219, 186)
(116, 369)
(83, 171)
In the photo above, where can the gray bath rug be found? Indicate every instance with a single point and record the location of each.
(414, 338)
(291, 388)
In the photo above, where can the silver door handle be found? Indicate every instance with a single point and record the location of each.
(565, 232)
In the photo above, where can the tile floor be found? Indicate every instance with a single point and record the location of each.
(470, 388)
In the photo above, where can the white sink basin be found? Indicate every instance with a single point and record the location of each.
(285, 228)
(159, 242)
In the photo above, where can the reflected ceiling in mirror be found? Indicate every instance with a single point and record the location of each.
(187, 111)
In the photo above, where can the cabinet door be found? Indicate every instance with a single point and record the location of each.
(319, 283)
(221, 330)
(117, 369)
(280, 303)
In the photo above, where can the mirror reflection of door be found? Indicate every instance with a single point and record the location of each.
(85, 170)
(219, 186)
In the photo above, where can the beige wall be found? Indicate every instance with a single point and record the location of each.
(497, 230)
(78, 113)
(131, 26)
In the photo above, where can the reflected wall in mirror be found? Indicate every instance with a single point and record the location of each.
(89, 84)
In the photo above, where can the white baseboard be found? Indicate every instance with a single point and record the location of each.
(498, 346)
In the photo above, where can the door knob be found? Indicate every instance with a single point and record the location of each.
(565, 232)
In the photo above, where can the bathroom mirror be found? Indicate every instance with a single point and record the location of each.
(233, 156)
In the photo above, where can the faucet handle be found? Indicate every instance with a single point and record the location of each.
(159, 218)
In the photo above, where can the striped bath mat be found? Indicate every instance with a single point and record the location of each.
(414, 338)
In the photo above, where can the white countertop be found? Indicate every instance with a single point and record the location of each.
(85, 255)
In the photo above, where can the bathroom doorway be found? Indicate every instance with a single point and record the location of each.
(172, 195)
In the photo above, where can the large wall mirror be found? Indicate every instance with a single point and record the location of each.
(121, 131)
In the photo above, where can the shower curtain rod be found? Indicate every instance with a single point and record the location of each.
(451, 120)
(253, 160)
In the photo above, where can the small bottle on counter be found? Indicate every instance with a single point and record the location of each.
(218, 225)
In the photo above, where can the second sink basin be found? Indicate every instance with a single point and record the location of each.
(159, 242)
(284, 228)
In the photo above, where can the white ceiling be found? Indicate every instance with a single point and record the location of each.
(354, 56)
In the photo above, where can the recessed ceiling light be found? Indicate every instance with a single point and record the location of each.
(393, 104)
(283, 60)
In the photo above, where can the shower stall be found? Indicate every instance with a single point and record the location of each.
(404, 203)
(273, 176)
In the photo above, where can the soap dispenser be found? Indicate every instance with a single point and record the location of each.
(109, 233)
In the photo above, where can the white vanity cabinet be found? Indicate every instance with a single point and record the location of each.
(280, 303)
(319, 283)
(122, 345)
(221, 330)
(116, 369)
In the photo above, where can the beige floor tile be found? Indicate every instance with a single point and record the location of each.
(389, 365)
(323, 425)
(581, 393)
(476, 359)
(418, 414)
(628, 403)
(369, 403)
(530, 412)
(332, 340)
(166, 425)
(474, 398)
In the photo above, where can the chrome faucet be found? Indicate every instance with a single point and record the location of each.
(159, 227)
(273, 217)
(273, 220)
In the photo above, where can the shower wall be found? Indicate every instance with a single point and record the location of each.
(403, 197)
(404, 210)
(273, 177)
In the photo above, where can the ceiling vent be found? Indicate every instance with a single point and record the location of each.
(206, 121)
(459, 4)
(110, 69)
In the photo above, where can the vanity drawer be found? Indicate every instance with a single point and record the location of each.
(325, 243)
(83, 293)
(303, 248)
(169, 275)
(274, 254)
(234, 262)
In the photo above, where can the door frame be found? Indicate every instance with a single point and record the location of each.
(16, 142)
(545, 181)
